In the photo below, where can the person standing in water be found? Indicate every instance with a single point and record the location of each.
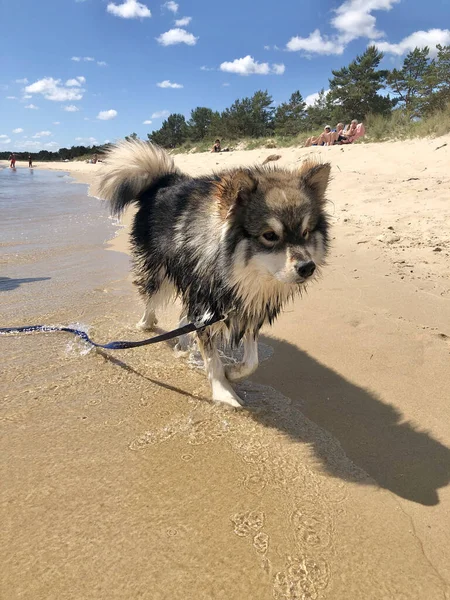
(30, 161)
(12, 159)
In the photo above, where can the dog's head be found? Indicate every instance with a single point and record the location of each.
(275, 220)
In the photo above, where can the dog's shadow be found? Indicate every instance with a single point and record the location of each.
(374, 435)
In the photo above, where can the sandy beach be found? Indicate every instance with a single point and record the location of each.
(121, 480)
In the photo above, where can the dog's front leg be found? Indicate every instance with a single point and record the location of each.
(221, 388)
(249, 363)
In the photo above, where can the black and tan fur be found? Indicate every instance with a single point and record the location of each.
(239, 243)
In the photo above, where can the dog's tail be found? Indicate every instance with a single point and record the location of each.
(130, 168)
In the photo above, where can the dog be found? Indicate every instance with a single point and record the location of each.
(237, 245)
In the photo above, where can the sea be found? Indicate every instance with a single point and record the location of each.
(52, 244)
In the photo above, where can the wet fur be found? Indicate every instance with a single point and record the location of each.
(200, 239)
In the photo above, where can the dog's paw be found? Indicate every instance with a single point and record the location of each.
(147, 325)
(184, 343)
(229, 398)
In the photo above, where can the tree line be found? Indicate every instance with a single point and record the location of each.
(419, 88)
(61, 154)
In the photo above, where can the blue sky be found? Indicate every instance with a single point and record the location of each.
(87, 71)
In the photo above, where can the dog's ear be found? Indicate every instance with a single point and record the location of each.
(233, 189)
(315, 178)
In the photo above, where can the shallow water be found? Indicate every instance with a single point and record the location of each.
(51, 243)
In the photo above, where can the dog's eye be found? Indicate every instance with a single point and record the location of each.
(270, 236)
(305, 233)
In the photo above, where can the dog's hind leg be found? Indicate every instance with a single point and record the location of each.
(164, 292)
(221, 388)
(148, 319)
(249, 363)
(184, 341)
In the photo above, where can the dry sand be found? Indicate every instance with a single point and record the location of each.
(123, 481)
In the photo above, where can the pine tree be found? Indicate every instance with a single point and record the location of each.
(412, 85)
(354, 89)
(290, 116)
(173, 132)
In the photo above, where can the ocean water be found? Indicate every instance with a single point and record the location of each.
(52, 237)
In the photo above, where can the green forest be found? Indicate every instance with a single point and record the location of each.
(412, 100)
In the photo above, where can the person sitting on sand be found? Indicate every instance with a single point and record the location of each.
(216, 147)
(355, 131)
(318, 140)
(331, 138)
(349, 130)
(12, 159)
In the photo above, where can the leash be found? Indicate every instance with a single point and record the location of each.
(198, 325)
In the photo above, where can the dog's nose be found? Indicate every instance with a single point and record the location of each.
(306, 269)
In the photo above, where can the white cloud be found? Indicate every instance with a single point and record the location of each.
(147, 122)
(51, 145)
(106, 142)
(18, 130)
(160, 114)
(3, 136)
(52, 89)
(309, 100)
(71, 108)
(32, 107)
(183, 21)
(86, 119)
(177, 36)
(30, 144)
(5, 141)
(353, 19)
(130, 9)
(89, 140)
(172, 6)
(11, 97)
(418, 39)
(24, 80)
(315, 43)
(107, 115)
(56, 123)
(100, 63)
(249, 66)
(204, 68)
(42, 134)
(168, 84)
(75, 82)
(278, 69)
(26, 96)
(225, 84)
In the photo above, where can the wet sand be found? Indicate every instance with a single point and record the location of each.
(122, 480)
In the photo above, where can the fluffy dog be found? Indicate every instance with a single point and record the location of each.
(236, 244)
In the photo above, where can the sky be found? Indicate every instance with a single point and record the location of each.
(91, 71)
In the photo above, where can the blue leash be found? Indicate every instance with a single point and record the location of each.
(189, 328)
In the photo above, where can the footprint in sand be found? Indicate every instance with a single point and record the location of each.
(303, 579)
(248, 523)
(311, 526)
